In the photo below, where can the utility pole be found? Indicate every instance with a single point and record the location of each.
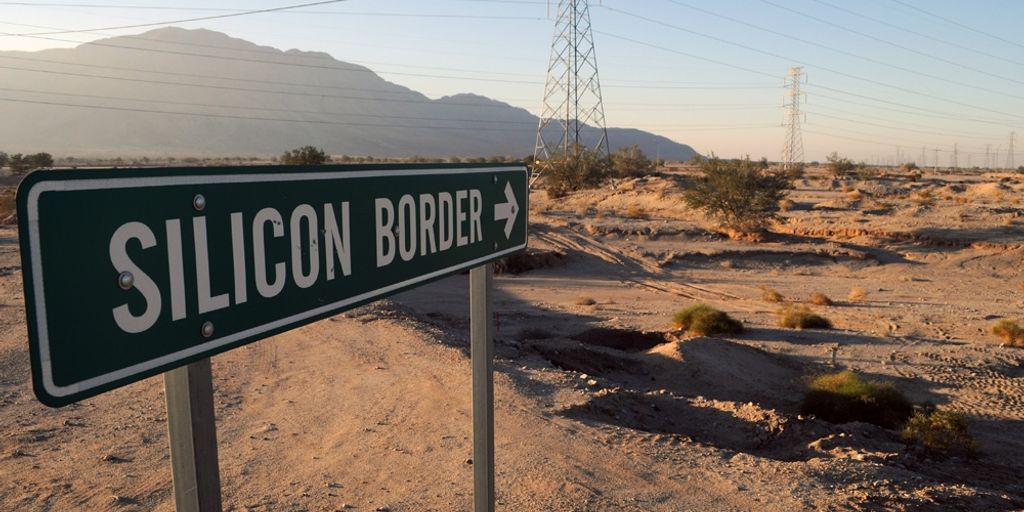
(1009, 152)
(572, 94)
(936, 162)
(793, 146)
(924, 158)
(955, 161)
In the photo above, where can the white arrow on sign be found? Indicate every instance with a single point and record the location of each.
(508, 210)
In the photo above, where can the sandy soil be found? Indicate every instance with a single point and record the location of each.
(599, 405)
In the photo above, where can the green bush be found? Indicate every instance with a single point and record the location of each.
(839, 166)
(940, 433)
(306, 155)
(738, 194)
(578, 169)
(844, 397)
(1010, 332)
(631, 162)
(704, 320)
(801, 317)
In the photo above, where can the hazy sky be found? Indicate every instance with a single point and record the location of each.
(882, 75)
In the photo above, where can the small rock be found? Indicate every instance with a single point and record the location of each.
(383, 509)
(592, 383)
(469, 461)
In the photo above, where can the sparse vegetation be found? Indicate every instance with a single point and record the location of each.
(636, 212)
(857, 294)
(579, 169)
(631, 161)
(769, 294)
(940, 433)
(786, 205)
(738, 194)
(801, 317)
(820, 299)
(3, 159)
(306, 155)
(8, 204)
(844, 397)
(585, 301)
(1010, 332)
(704, 320)
(20, 163)
(839, 166)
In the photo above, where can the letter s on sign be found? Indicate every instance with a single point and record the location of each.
(143, 283)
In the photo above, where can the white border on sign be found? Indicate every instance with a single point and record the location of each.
(158, 181)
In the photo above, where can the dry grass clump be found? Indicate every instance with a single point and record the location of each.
(854, 195)
(857, 294)
(704, 320)
(8, 205)
(585, 301)
(820, 299)
(940, 433)
(844, 397)
(1011, 333)
(961, 200)
(786, 205)
(635, 212)
(923, 197)
(801, 317)
(769, 294)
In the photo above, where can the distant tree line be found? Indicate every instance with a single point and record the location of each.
(19, 163)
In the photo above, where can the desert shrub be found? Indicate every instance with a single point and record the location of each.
(306, 155)
(786, 205)
(795, 171)
(20, 163)
(839, 166)
(704, 320)
(631, 161)
(923, 197)
(8, 204)
(738, 194)
(801, 317)
(844, 397)
(909, 167)
(854, 195)
(857, 294)
(820, 299)
(636, 212)
(769, 294)
(575, 170)
(1010, 332)
(585, 301)
(940, 432)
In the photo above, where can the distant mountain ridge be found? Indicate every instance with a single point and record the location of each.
(205, 93)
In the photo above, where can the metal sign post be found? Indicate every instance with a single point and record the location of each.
(193, 435)
(481, 346)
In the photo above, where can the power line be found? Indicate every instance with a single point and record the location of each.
(188, 20)
(959, 24)
(890, 43)
(855, 55)
(824, 68)
(920, 34)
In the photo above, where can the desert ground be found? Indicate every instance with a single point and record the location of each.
(600, 405)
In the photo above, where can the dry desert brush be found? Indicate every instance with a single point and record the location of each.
(820, 299)
(845, 396)
(769, 294)
(1010, 332)
(801, 317)
(704, 320)
(738, 194)
(940, 433)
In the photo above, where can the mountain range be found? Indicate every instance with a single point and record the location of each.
(175, 91)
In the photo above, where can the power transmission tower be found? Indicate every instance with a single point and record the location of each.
(1009, 152)
(793, 147)
(572, 94)
(936, 162)
(924, 158)
(955, 158)
(988, 156)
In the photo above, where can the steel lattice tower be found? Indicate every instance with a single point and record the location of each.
(793, 147)
(572, 94)
(1009, 153)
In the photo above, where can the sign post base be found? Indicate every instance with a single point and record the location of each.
(481, 327)
(193, 435)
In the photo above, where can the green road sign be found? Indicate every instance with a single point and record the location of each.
(129, 273)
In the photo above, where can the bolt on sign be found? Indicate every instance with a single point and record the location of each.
(130, 273)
